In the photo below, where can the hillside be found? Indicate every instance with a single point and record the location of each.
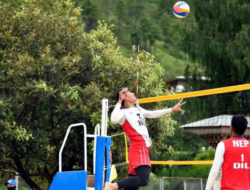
(150, 24)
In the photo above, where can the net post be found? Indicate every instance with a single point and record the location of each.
(104, 117)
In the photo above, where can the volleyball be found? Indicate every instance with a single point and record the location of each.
(181, 9)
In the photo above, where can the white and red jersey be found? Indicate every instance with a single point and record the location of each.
(133, 122)
(233, 156)
(135, 127)
(236, 165)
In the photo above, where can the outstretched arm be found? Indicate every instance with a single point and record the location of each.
(159, 113)
(156, 113)
(218, 161)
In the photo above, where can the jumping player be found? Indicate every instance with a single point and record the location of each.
(132, 120)
(233, 155)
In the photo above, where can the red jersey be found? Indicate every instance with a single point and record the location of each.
(236, 165)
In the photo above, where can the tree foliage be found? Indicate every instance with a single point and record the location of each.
(220, 40)
(54, 74)
(198, 171)
(149, 24)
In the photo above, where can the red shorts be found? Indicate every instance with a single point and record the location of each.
(137, 157)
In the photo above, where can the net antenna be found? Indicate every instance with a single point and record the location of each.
(137, 80)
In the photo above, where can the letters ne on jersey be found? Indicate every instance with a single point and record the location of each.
(236, 165)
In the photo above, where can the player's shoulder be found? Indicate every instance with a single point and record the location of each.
(139, 108)
(220, 146)
(235, 139)
(135, 108)
(221, 143)
(130, 110)
(227, 141)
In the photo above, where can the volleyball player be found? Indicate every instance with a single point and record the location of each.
(132, 120)
(233, 156)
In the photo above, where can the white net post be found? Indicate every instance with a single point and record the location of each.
(104, 117)
(185, 185)
(104, 126)
(17, 180)
(201, 184)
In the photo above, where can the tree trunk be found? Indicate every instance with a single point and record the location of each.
(25, 176)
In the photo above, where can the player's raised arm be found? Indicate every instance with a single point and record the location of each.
(159, 113)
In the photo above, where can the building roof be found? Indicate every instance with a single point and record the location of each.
(221, 120)
(213, 125)
(184, 78)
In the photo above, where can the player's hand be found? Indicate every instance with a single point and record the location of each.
(122, 94)
(177, 107)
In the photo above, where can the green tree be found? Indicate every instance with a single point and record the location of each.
(185, 146)
(164, 23)
(54, 74)
(220, 40)
(122, 14)
(199, 171)
(148, 24)
(107, 7)
(90, 12)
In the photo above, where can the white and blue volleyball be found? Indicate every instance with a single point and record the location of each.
(181, 9)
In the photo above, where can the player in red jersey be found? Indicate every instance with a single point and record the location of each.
(233, 156)
(132, 120)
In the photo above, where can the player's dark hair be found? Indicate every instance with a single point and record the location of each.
(117, 96)
(239, 124)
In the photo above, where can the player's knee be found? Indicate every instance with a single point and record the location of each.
(145, 183)
(144, 180)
